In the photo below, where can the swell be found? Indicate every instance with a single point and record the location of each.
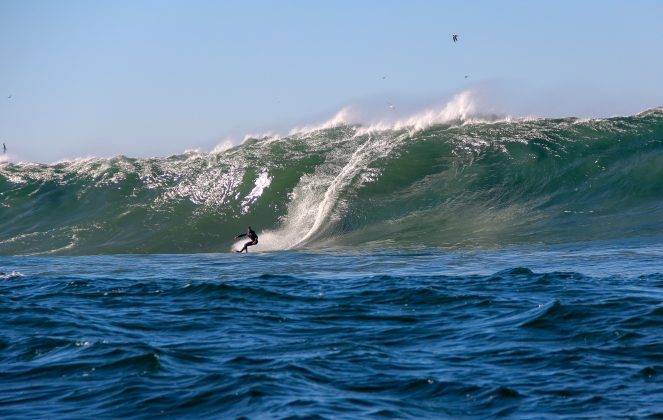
(515, 341)
(453, 184)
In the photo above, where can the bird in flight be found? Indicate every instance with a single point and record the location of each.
(455, 37)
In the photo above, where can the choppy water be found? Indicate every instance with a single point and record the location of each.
(536, 332)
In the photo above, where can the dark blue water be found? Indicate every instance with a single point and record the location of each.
(572, 331)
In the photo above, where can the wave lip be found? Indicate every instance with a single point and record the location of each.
(462, 108)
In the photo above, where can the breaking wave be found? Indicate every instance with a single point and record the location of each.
(444, 178)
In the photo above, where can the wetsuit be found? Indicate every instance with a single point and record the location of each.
(254, 239)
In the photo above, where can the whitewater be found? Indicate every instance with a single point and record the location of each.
(448, 264)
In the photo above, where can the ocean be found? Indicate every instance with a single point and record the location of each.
(470, 268)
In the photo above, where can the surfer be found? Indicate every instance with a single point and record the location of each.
(455, 37)
(252, 235)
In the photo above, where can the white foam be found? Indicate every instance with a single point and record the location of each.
(227, 144)
(266, 136)
(82, 159)
(461, 108)
(345, 116)
(12, 275)
(262, 182)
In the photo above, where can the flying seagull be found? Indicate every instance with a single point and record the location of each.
(455, 37)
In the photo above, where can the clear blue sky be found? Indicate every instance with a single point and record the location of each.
(156, 77)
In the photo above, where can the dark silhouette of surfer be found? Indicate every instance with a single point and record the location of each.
(252, 235)
(455, 37)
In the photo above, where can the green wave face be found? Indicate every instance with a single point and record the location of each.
(454, 185)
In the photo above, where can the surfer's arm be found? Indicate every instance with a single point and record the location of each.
(240, 235)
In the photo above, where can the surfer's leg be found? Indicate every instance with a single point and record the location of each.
(251, 244)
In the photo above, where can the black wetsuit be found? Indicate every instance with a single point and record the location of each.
(254, 239)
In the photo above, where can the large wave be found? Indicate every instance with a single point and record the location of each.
(441, 179)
